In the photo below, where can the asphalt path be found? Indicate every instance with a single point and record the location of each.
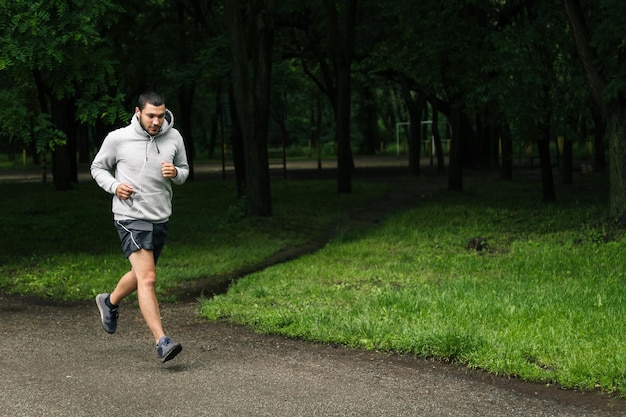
(56, 360)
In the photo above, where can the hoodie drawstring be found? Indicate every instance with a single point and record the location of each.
(152, 139)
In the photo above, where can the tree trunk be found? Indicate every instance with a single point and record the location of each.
(441, 164)
(241, 100)
(580, 31)
(547, 179)
(64, 165)
(252, 104)
(343, 47)
(217, 118)
(599, 154)
(236, 144)
(185, 98)
(567, 162)
(368, 120)
(415, 106)
(617, 164)
(82, 138)
(506, 149)
(258, 176)
(613, 113)
(186, 92)
(61, 168)
(455, 172)
(316, 128)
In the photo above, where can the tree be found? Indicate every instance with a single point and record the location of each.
(415, 103)
(251, 30)
(54, 51)
(600, 45)
(323, 38)
(342, 46)
(70, 67)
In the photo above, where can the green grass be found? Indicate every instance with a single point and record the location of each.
(545, 301)
(63, 245)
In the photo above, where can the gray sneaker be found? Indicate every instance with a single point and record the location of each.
(167, 349)
(108, 316)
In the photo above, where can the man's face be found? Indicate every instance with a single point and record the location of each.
(151, 118)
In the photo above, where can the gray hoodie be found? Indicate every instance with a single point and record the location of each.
(130, 155)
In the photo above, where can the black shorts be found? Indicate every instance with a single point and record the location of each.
(139, 234)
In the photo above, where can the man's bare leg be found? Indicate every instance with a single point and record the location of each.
(142, 278)
(125, 286)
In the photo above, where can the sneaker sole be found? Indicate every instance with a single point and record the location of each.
(172, 353)
(98, 297)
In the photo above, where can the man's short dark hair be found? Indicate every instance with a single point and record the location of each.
(152, 97)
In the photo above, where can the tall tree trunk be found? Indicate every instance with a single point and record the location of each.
(64, 165)
(617, 165)
(82, 138)
(547, 178)
(185, 98)
(252, 104)
(343, 47)
(217, 118)
(506, 152)
(567, 162)
(614, 113)
(236, 143)
(416, 105)
(580, 31)
(545, 162)
(455, 172)
(599, 154)
(186, 92)
(260, 202)
(316, 128)
(61, 175)
(441, 164)
(368, 120)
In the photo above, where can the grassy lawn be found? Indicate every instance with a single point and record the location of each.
(544, 301)
(63, 245)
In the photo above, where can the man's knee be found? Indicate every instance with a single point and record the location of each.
(147, 279)
(144, 268)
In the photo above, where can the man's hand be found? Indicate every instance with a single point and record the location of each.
(168, 170)
(124, 191)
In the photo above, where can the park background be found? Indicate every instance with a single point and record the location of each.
(470, 95)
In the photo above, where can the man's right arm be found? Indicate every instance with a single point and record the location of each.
(103, 167)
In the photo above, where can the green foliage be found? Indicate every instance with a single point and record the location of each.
(48, 136)
(14, 114)
(51, 50)
(99, 54)
(107, 109)
(610, 43)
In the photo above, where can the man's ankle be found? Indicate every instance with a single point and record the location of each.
(108, 302)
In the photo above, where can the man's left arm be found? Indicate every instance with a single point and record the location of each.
(180, 163)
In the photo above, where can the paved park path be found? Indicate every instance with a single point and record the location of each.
(56, 360)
